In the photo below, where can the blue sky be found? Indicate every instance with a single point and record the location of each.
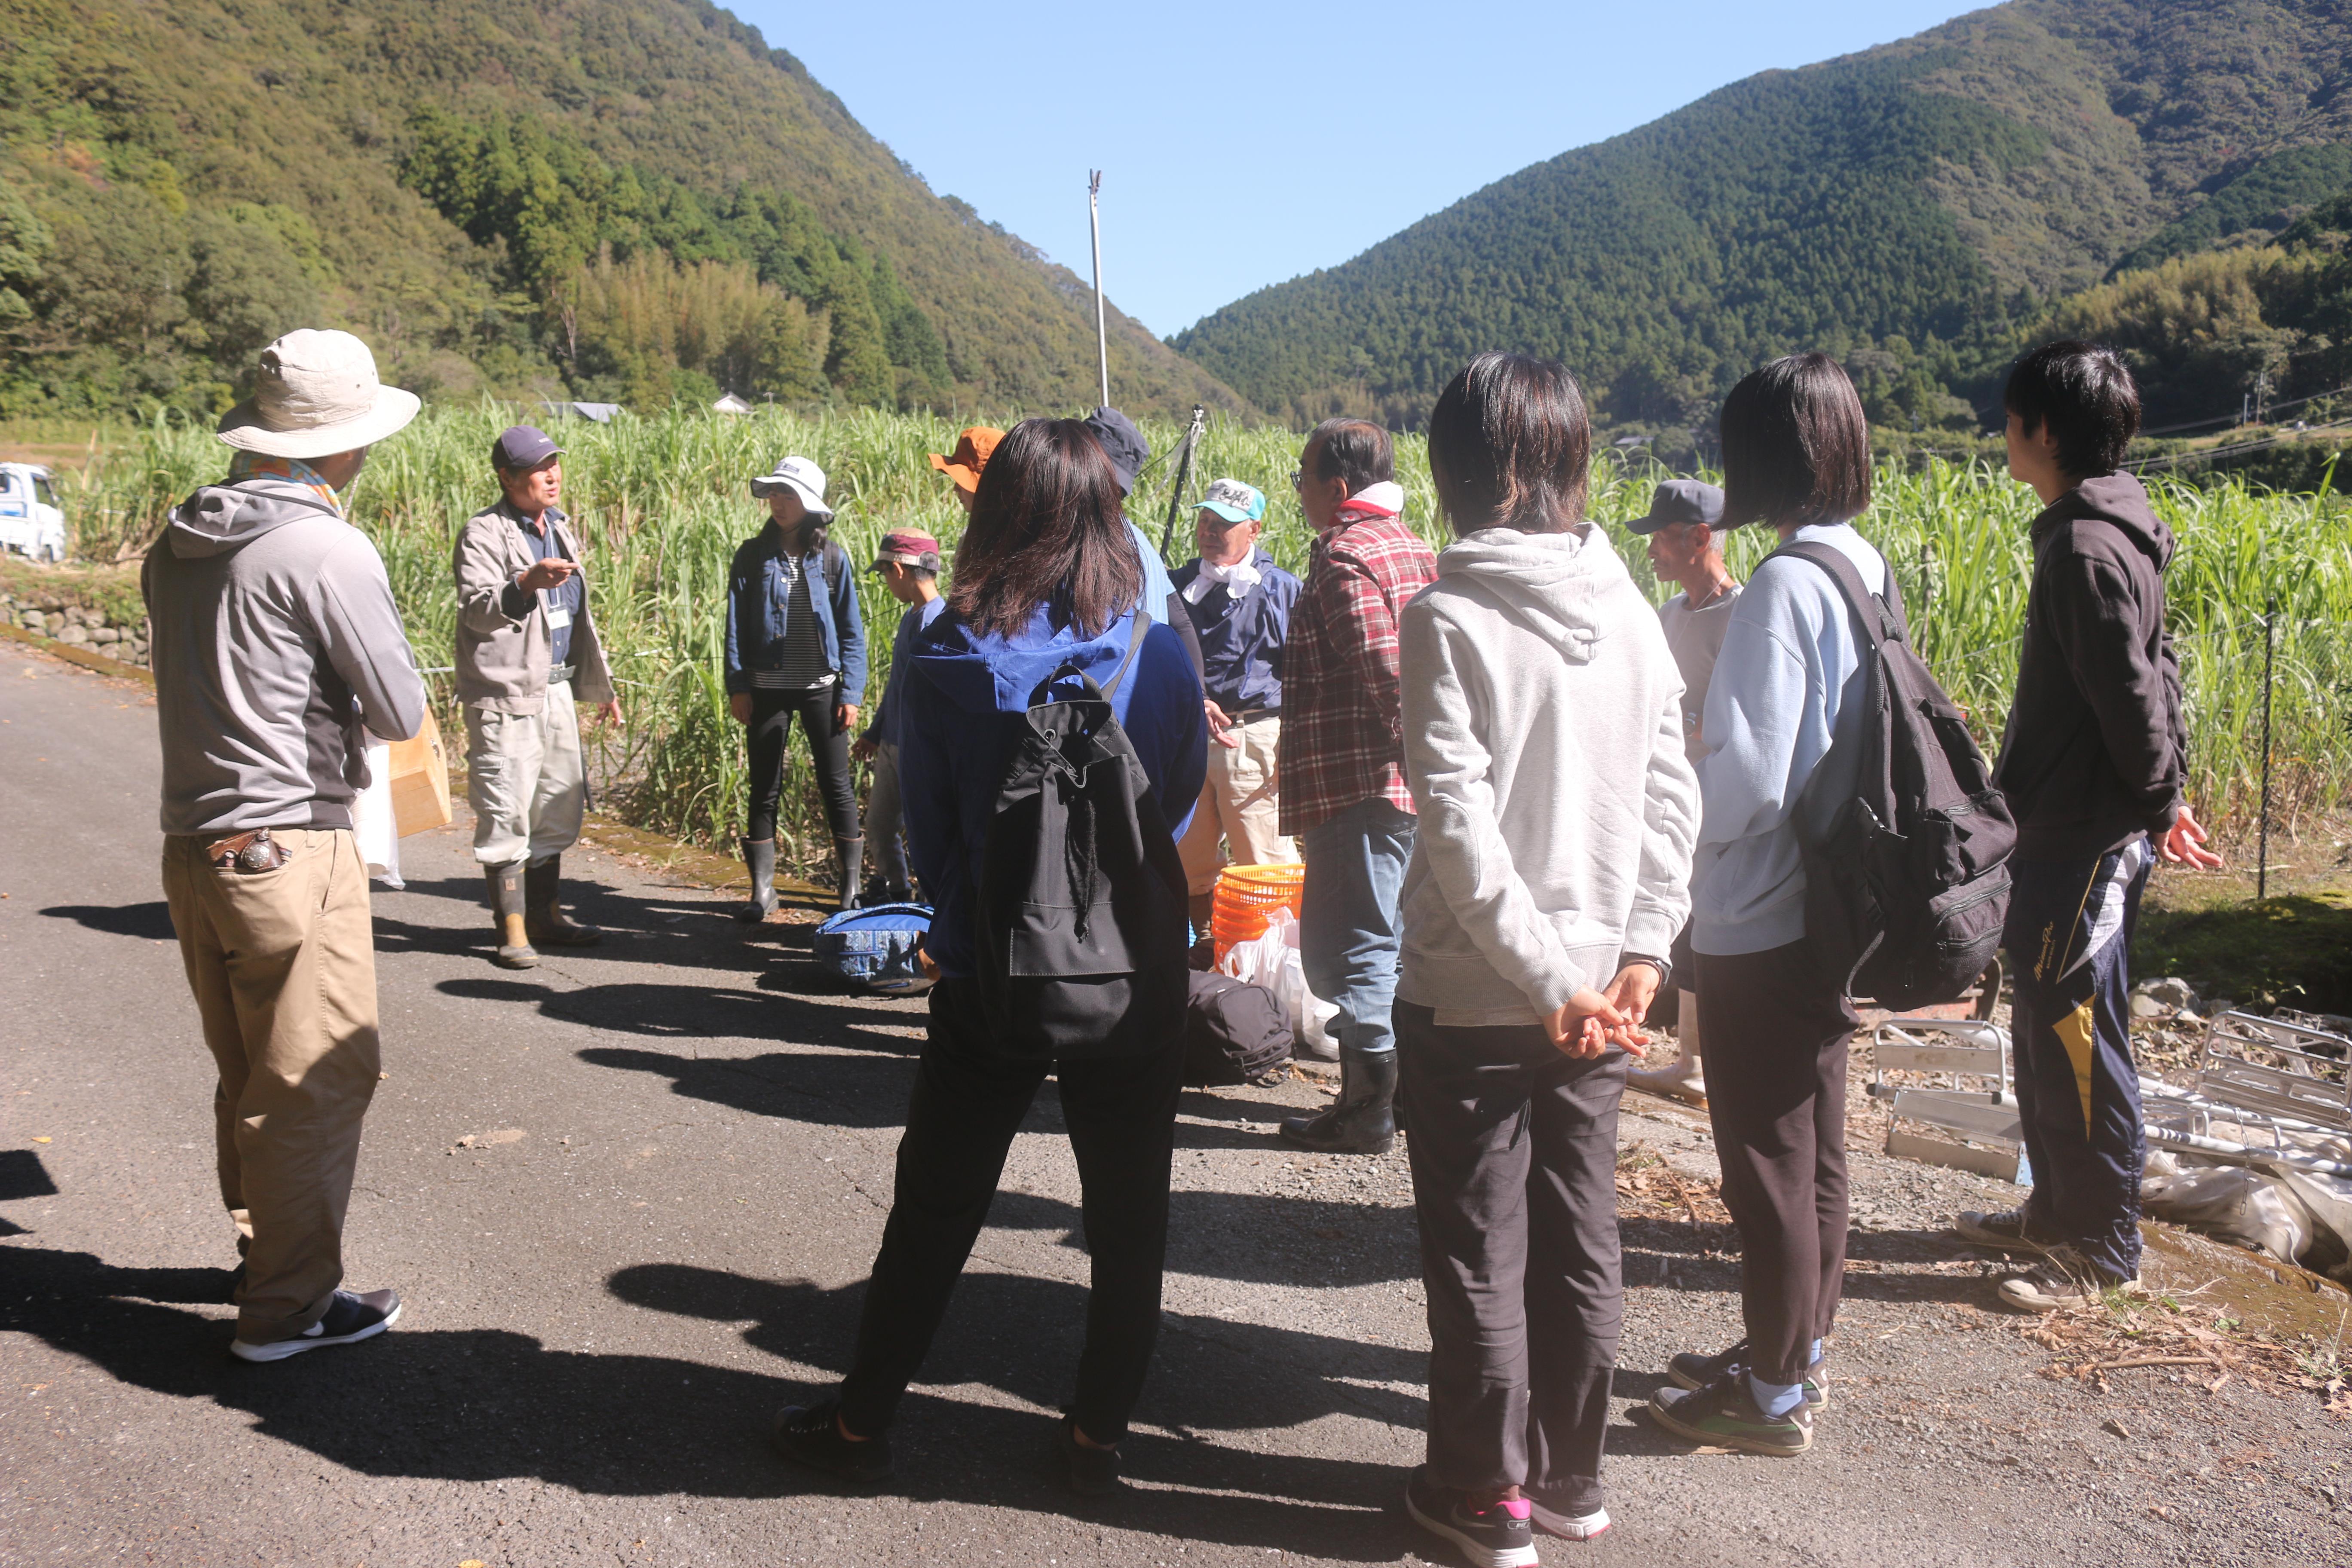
(1244, 143)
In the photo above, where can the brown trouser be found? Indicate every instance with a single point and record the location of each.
(1775, 1044)
(283, 966)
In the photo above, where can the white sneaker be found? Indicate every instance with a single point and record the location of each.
(2065, 1278)
(1571, 1526)
(348, 1319)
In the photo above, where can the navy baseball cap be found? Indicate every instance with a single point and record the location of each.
(1122, 442)
(1681, 501)
(523, 447)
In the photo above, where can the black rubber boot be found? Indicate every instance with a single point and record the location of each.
(850, 855)
(1364, 1120)
(759, 855)
(543, 919)
(508, 915)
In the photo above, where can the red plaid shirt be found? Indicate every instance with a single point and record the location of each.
(1342, 719)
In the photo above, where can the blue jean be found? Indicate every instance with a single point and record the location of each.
(1348, 927)
(2069, 940)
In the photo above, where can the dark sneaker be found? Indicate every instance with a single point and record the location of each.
(2008, 1230)
(811, 1435)
(348, 1319)
(1692, 1370)
(1723, 1416)
(1089, 1472)
(1501, 1537)
(2063, 1279)
(1570, 1526)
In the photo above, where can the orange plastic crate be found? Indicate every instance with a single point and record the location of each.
(1246, 897)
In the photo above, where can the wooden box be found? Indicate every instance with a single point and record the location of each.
(420, 781)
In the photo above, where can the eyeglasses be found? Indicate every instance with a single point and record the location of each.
(1298, 478)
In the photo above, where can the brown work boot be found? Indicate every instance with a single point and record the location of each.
(507, 918)
(541, 915)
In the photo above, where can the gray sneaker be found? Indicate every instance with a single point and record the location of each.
(348, 1319)
(2008, 1230)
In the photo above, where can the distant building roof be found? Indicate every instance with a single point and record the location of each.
(731, 404)
(602, 413)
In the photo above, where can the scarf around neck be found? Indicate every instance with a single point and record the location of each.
(1238, 578)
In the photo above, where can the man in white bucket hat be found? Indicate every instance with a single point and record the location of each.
(276, 638)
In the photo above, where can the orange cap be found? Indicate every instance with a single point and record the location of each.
(970, 456)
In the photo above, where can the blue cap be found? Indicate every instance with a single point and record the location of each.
(1235, 502)
(523, 447)
(1681, 501)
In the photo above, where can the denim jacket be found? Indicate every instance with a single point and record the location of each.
(758, 599)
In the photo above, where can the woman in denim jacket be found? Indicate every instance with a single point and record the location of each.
(795, 646)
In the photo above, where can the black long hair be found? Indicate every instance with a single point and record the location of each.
(1047, 528)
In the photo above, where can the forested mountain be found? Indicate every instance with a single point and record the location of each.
(1914, 209)
(635, 199)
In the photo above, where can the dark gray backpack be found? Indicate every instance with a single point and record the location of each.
(1080, 903)
(1906, 893)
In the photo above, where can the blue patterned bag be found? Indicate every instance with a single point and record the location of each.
(876, 947)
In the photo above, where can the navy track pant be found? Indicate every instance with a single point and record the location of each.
(2069, 941)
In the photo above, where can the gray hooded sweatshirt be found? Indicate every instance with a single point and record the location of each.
(1543, 733)
(275, 639)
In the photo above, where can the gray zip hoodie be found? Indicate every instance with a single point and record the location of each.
(275, 638)
(1543, 735)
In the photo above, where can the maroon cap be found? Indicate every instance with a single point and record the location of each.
(909, 547)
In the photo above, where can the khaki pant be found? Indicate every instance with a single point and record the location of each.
(1238, 807)
(283, 966)
(527, 780)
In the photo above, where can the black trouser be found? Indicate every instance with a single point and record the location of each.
(968, 1101)
(1513, 1149)
(772, 721)
(1777, 1029)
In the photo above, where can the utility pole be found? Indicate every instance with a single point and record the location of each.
(1102, 334)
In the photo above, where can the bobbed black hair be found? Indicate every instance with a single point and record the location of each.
(1510, 446)
(1796, 447)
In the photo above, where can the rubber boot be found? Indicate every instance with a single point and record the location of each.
(1363, 1121)
(543, 919)
(507, 913)
(1686, 1079)
(759, 855)
(850, 853)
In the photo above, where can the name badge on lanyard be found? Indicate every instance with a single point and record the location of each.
(558, 615)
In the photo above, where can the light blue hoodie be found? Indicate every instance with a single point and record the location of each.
(1788, 688)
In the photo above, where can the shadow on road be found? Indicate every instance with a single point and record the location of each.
(487, 1405)
(152, 922)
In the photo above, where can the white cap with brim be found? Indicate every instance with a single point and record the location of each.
(804, 478)
(317, 394)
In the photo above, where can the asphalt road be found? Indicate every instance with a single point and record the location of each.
(630, 1199)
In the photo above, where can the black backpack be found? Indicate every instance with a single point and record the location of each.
(1234, 1032)
(1906, 894)
(1080, 903)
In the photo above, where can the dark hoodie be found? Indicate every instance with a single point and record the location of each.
(958, 722)
(2095, 750)
(275, 638)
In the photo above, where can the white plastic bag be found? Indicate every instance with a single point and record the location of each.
(372, 822)
(1272, 961)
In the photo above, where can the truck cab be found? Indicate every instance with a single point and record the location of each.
(31, 522)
